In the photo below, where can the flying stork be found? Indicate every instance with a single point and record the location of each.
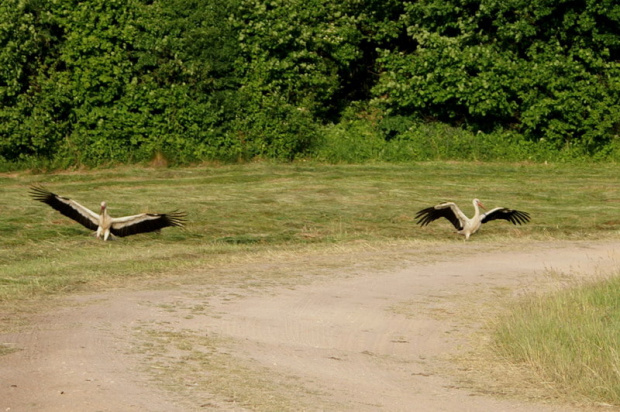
(464, 225)
(104, 224)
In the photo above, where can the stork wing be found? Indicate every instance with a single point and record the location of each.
(67, 207)
(449, 210)
(513, 216)
(145, 222)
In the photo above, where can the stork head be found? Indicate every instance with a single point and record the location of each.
(103, 206)
(479, 203)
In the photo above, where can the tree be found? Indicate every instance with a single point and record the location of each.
(546, 69)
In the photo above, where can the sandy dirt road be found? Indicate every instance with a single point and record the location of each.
(373, 335)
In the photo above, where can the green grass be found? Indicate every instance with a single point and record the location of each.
(239, 209)
(570, 338)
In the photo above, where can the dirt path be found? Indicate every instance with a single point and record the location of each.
(362, 340)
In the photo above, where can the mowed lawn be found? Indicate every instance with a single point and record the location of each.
(234, 210)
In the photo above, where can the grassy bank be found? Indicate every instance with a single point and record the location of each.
(570, 338)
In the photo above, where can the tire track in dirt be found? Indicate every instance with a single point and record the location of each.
(364, 341)
(348, 337)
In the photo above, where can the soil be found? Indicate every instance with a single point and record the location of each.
(395, 330)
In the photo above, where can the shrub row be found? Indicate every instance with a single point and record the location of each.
(100, 81)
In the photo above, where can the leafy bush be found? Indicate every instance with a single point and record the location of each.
(120, 81)
(109, 81)
(546, 70)
(366, 138)
(272, 128)
(315, 54)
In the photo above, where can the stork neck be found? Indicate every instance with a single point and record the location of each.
(476, 210)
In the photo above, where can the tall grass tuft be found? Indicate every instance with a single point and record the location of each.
(570, 338)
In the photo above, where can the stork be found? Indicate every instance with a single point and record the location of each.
(464, 225)
(104, 224)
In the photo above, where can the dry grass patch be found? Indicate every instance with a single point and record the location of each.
(193, 366)
(570, 338)
(557, 342)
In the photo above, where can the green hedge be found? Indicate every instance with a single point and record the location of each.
(110, 81)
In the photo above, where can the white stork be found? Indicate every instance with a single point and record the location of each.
(464, 225)
(104, 224)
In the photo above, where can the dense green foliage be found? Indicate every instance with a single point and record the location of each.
(547, 69)
(105, 81)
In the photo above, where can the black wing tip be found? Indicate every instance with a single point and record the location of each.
(517, 217)
(161, 221)
(423, 216)
(520, 217)
(430, 214)
(37, 187)
(177, 218)
(38, 192)
(424, 221)
(425, 210)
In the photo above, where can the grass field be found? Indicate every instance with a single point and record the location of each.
(258, 207)
(236, 212)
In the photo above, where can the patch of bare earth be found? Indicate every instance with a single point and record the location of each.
(359, 330)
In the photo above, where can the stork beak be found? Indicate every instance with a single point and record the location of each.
(481, 205)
